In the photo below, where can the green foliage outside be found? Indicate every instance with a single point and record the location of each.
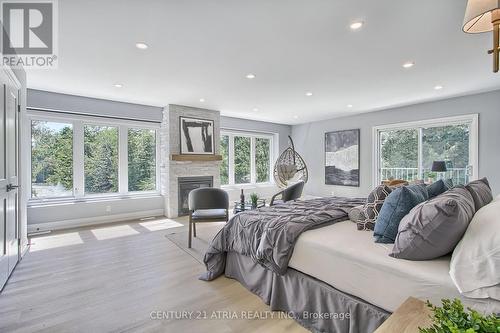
(101, 159)
(52, 159)
(241, 160)
(447, 143)
(262, 148)
(399, 149)
(224, 167)
(141, 160)
(52, 155)
(452, 318)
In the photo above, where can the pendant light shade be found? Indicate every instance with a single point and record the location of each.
(483, 16)
(478, 15)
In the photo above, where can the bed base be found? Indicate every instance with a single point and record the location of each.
(314, 304)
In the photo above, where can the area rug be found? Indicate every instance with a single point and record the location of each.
(205, 232)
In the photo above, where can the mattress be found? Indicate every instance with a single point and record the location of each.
(349, 260)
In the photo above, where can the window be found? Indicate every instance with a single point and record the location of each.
(246, 157)
(141, 159)
(51, 159)
(76, 156)
(101, 159)
(406, 151)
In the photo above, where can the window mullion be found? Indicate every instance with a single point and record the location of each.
(231, 159)
(123, 159)
(78, 159)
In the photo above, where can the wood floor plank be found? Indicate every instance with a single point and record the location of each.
(112, 278)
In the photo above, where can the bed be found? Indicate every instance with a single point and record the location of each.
(364, 268)
(304, 258)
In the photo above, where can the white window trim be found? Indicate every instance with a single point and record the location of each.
(78, 122)
(472, 119)
(231, 133)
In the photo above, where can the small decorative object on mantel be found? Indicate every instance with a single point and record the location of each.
(484, 16)
(242, 198)
(254, 199)
(196, 136)
(342, 158)
(290, 167)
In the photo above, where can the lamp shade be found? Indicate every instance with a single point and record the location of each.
(478, 15)
(439, 166)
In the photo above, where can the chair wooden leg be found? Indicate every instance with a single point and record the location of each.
(194, 229)
(190, 231)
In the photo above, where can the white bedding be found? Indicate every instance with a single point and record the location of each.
(352, 262)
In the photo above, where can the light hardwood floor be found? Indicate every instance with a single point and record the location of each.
(111, 278)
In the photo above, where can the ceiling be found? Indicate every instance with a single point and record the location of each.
(205, 48)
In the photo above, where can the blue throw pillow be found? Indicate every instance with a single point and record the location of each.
(395, 207)
(436, 188)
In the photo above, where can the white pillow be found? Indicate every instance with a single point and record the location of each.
(475, 263)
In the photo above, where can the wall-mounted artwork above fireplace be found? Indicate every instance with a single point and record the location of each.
(197, 136)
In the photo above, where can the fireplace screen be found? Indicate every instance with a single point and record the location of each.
(186, 185)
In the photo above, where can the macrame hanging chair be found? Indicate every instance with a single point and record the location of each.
(290, 167)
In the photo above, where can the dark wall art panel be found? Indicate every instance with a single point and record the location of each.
(197, 136)
(342, 158)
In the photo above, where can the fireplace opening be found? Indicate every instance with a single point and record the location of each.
(186, 185)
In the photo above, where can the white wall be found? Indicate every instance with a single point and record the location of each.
(309, 138)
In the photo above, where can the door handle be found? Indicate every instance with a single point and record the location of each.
(11, 187)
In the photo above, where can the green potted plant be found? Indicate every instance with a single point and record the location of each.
(452, 318)
(254, 199)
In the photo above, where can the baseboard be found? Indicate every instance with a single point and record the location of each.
(90, 221)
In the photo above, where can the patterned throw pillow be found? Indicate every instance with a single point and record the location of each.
(372, 207)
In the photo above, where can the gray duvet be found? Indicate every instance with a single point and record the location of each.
(268, 235)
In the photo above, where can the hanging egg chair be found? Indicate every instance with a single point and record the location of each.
(290, 167)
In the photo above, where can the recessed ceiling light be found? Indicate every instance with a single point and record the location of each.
(408, 64)
(309, 94)
(250, 76)
(295, 117)
(356, 25)
(118, 85)
(349, 106)
(438, 87)
(141, 45)
(202, 100)
(255, 110)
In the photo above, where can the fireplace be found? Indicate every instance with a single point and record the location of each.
(186, 185)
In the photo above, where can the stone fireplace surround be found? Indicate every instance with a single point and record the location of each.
(170, 144)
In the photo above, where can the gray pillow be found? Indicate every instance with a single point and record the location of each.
(433, 228)
(481, 192)
(372, 207)
(356, 214)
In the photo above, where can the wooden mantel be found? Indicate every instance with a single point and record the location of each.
(196, 158)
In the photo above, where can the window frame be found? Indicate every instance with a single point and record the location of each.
(78, 122)
(419, 125)
(253, 170)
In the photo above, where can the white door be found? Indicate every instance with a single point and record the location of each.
(9, 198)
